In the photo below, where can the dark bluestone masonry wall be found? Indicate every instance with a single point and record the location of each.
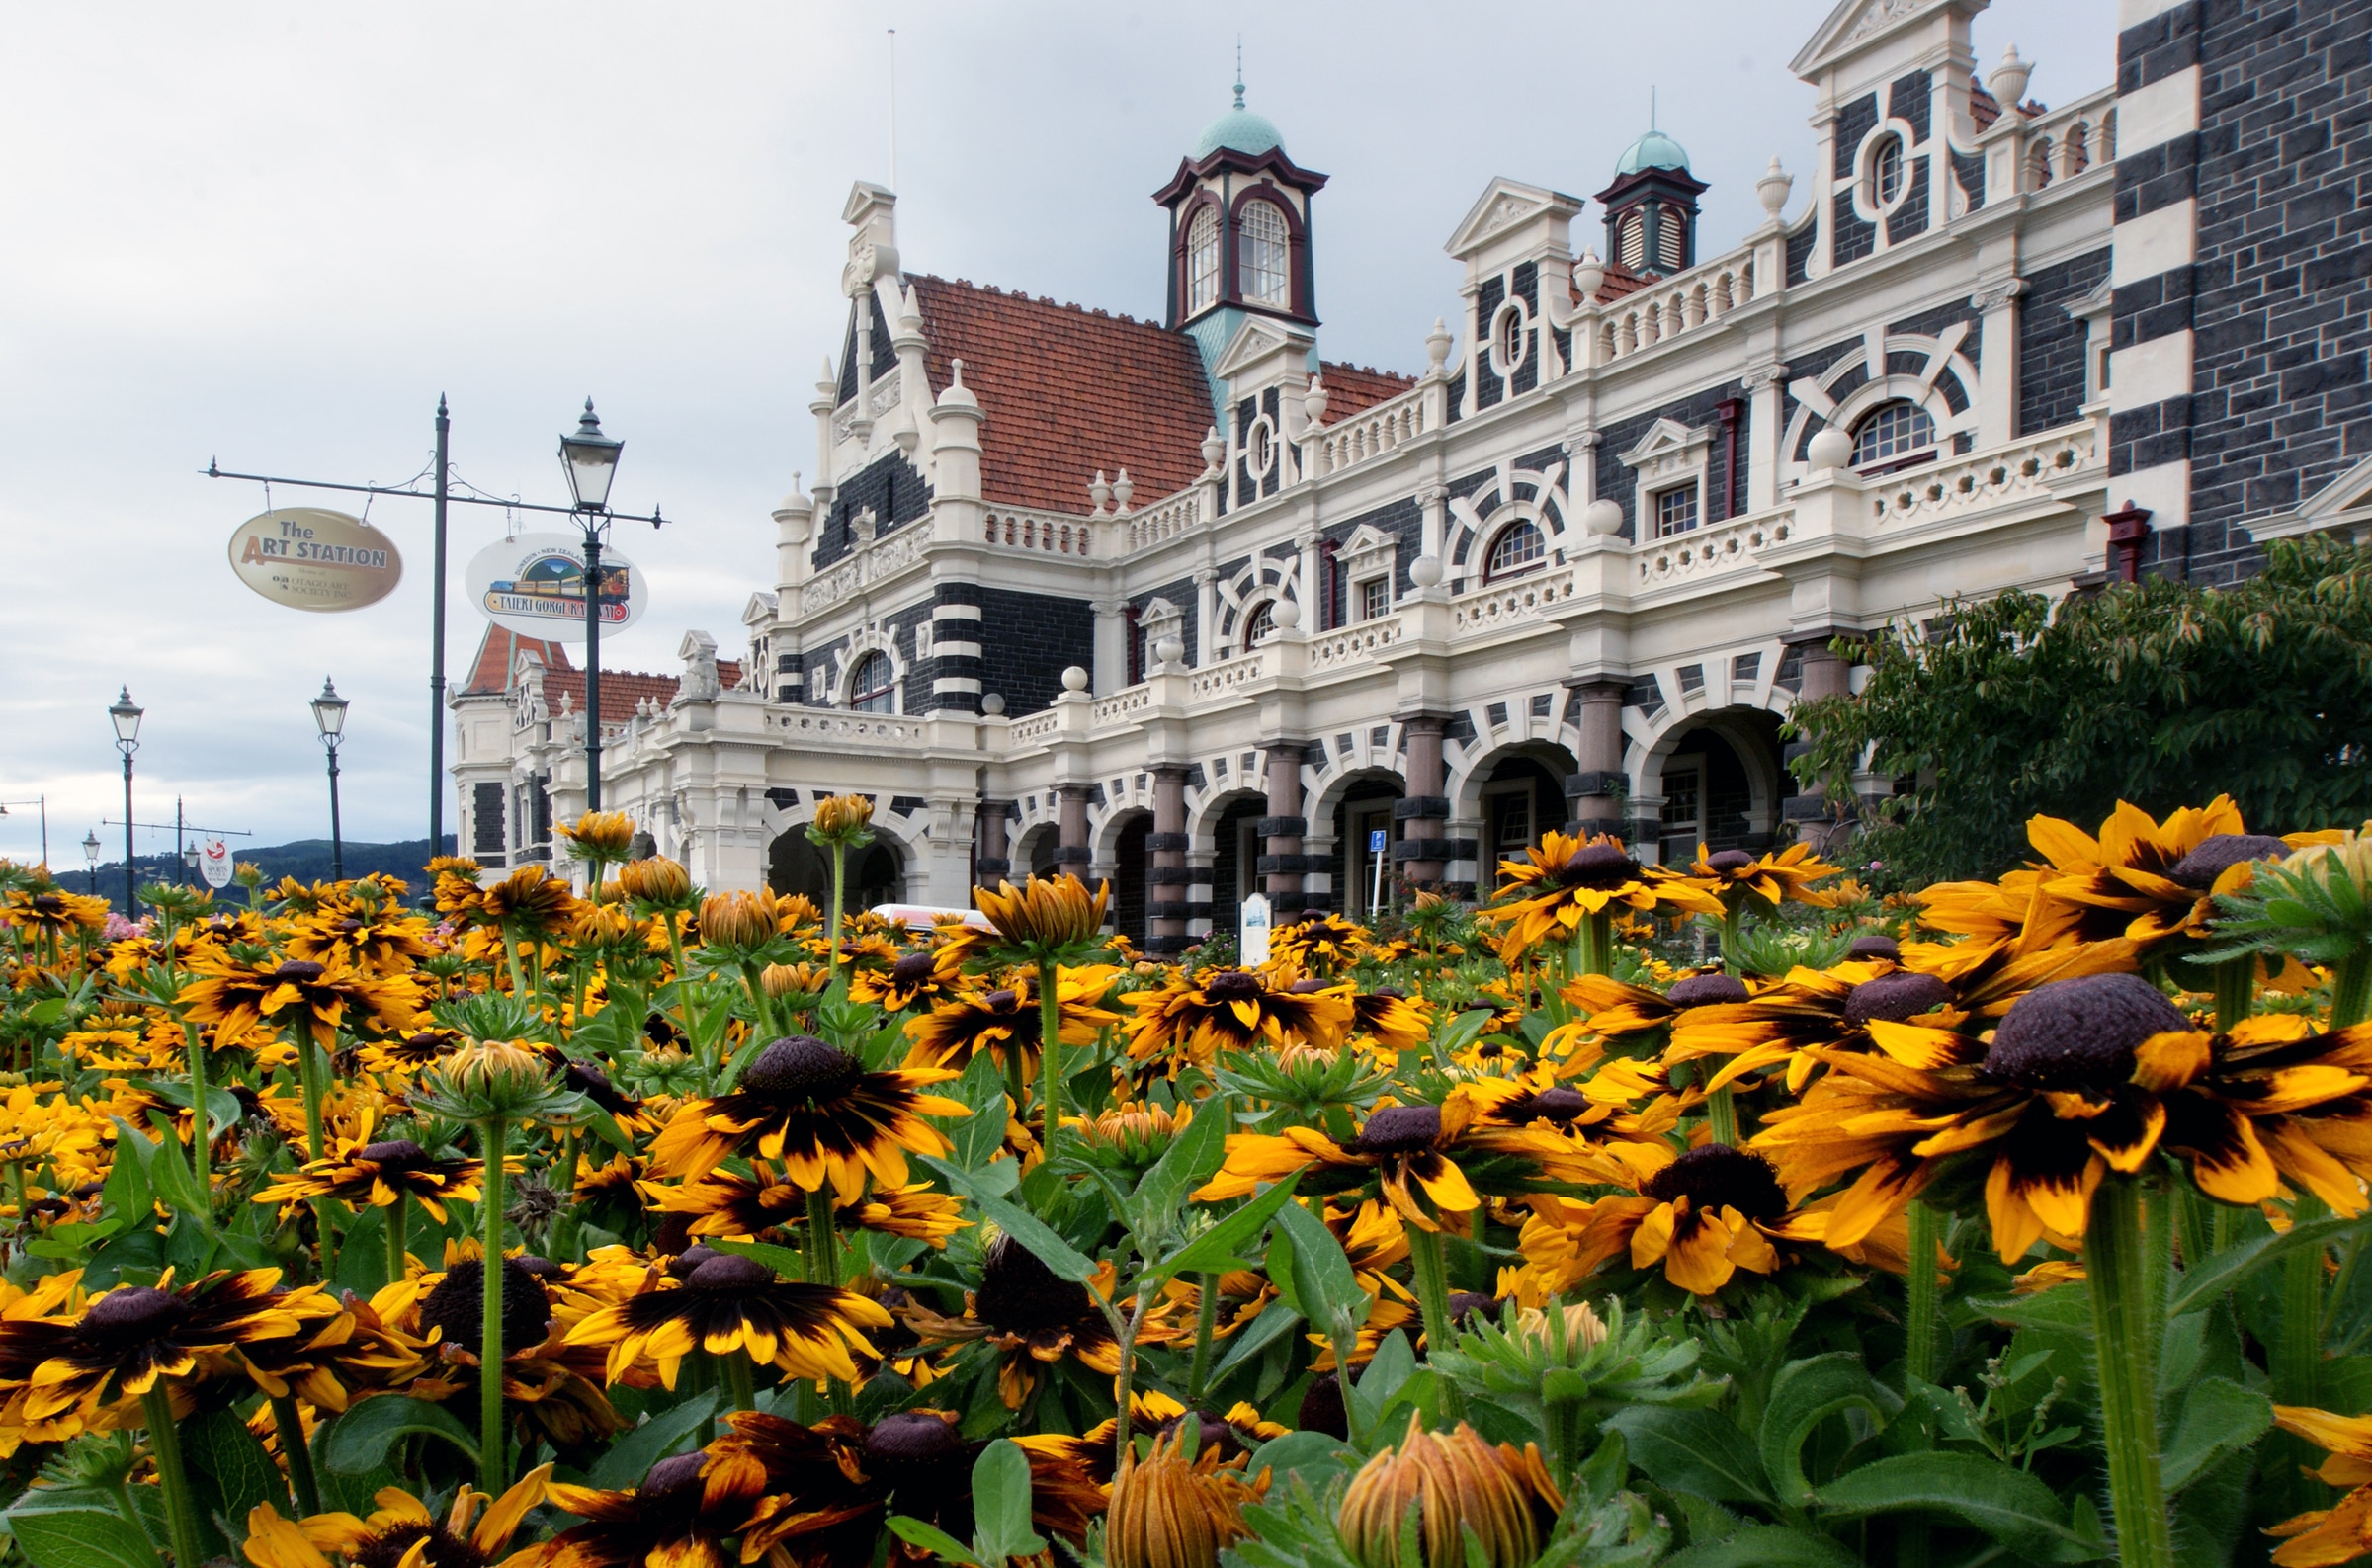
(889, 485)
(1489, 388)
(915, 693)
(1527, 289)
(1798, 253)
(1809, 367)
(885, 356)
(1187, 598)
(1854, 238)
(1618, 485)
(1405, 521)
(2052, 343)
(948, 624)
(1027, 642)
(2281, 304)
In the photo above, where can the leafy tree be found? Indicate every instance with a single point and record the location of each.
(2161, 692)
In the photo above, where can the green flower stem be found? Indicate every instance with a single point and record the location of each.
(1720, 1111)
(823, 1261)
(2235, 991)
(2351, 991)
(510, 952)
(309, 1080)
(395, 1249)
(2194, 1226)
(1598, 943)
(2300, 1364)
(1920, 1321)
(1433, 1296)
(2118, 1276)
(202, 1125)
(291, 1426)
(1733, 921)
(181, 1510)
(836, 990)
(758, 999)
(738, 1380)
(1050, 1047)
(1205, 1324)
(1345, 1347)
(493, 1140)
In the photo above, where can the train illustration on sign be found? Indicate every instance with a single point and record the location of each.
(550, 585)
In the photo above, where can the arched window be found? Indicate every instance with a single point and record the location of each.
(1890, 431)
(1509, 338)
(1671, 239)
(1886, 170)
(874, 687)
(1262, 625)
(1260, 254)
(1631, 241)
(1519, 547)
(1202, 261)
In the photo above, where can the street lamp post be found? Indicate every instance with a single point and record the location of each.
(591, 458)
(90, 857)
(127, 716)
(329, 717)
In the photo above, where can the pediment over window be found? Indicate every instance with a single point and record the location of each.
(1368, 545)
(1667, 445)
(1254, 342)
(1506, 205)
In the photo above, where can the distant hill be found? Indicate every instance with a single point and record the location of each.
(306, 860)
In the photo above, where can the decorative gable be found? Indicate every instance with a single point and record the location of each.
(1668, 449)
(1509, 209)
(1859, 25)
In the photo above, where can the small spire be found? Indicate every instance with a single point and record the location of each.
(1239, 70)
(1651, 108)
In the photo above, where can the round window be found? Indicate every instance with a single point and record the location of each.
(1885, 186)
(1507, 339)
(1259, 447)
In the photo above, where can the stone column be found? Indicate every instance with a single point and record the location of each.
(1766, 434)
(1593, 794)
(1073, 853)
(1817, 818)
(1423, 811)
(1167, 878)
(1997, 304)
(995, 858)
(1282, 829)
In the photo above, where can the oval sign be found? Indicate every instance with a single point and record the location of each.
(309, 558)
(213, 862)
(535, 585)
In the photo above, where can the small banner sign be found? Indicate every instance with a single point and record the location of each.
(535, 585)
(310, 558)
(213, 862)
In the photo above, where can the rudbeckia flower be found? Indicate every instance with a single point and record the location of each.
(2341, 1534)
(1035, 1318)
(1565, 878)
(1190, 1018)
(1320, 942)
(2159, 878)
(239, 998)
(730, 1304)
(360, 1172)
(400, 1529)
(1775, 877)
(681, 1516)
(816, 1109)
(1009, 1018)
(915, 978)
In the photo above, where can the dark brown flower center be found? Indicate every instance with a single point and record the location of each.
(1018, 1294)
(729, 1272)
(458, 1306)
(803, 1068)
(1001, 1001)
(1232, 985)
(133, 1317)
(1593, 866)
(1895, 997)
(1312, 917)
(1400, 1129)
(2219, 854)
(297, 971)
(911, 970)
(1558, 1105)
(671, 1477)
(1716, 1176)
(1321, 1407)
(594, 1084)
(1706, 990)
(1465, 1304)
(2079, 1034)
(49, 903)
(1728, 862)
(396, 1156)
(1869, 948)
(909, 1439)
(691, 1257)
(444, 1549)
(1307, 985)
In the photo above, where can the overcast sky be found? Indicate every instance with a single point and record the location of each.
(274, 233)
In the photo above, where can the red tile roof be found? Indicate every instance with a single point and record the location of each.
(1353, 387)
(622, 689)
(1984, 106)
(490, 671)
(1067, 391)
(1620, 281)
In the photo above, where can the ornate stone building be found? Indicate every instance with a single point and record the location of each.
(1185, 604)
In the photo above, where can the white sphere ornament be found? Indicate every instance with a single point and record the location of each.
(1286, 616)
(1075, 679)
(1169, 650)
(1603, 519)
(993, 703)
(1831, 449)
(1425, 571)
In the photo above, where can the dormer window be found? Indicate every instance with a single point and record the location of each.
(1261, 251)
(1885, 182)
(1202, 261)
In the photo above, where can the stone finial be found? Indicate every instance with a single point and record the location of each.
(1075, 679)
(1215, 450)
(1100, 492)
(1589, 274)
(957, 394)
(1426, 570)
(828, 384)
(1772, 190)
(1123, 488)
(1313, 401)
(1437, 345)
(1603, 519)
(1829, 449)
(2007, 80)
(1285, 615)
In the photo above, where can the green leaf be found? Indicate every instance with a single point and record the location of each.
(1000, 1503)
(1276, 1321)
(1057, 1255)
(359, 1440)
(630, 1457)
(2012, 1507)
(2218, 1273)
(175, 1183)
(126, 1200)
(1213, 1251)
(931, 1538)
(1191, 1159)
(782, 1260)
(1805, 1394)
(86, 1533)
(1766, 1546)
(1316, 1457)
(1322, 1276)
(229, 1470)
(2218, 1417)
(2062, 1308)
(1694, 1451)
(979, 1138)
